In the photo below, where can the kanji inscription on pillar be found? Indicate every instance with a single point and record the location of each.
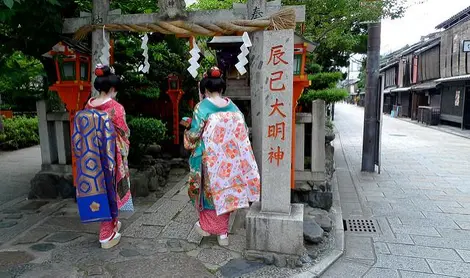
(278, 54)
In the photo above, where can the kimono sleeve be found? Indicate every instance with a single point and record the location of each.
(120, 122)
(192, 136)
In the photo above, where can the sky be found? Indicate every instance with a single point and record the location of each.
(419, 20)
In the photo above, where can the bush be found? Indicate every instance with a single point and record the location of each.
(329, 95)
(324, 80)
(145, 132)
(19, 132)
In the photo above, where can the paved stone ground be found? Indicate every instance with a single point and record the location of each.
(420, 202)
(44, 238)
(17, 168)
(444, 128)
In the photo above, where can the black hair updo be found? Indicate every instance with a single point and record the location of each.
(106, 79)
(214, 82)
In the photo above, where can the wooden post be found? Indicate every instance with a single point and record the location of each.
(100, 16)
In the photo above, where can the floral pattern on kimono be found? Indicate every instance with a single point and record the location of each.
(222, 161)
(233, 175)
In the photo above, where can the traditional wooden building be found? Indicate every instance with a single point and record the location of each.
(454, 81)
(425, 96)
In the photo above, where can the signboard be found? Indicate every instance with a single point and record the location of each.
(457, 98)
(466, 46)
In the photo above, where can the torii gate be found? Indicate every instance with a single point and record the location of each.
(201, 22)
(275, 215)
(101, 15)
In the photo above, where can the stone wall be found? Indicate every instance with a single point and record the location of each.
(146, 178)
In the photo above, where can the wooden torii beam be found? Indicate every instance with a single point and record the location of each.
(101, 15)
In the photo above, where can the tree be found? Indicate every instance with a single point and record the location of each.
(335, 25)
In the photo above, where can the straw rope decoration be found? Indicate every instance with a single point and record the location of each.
(284, 19)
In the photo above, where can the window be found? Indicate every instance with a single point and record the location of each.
(68, 71)
(83, 71)
(297, 64)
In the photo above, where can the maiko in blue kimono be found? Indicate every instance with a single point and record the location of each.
(94, 144)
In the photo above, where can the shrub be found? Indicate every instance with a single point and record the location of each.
(19, 132)
(328, 95)
(324, 80)
(145, 132)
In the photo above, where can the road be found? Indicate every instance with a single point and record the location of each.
(17, 168)
(420, 203)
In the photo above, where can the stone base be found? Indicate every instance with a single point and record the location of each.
(275, 233)
(52, 184)
(279, 260)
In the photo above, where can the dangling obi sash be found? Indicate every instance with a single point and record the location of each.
(94, 145)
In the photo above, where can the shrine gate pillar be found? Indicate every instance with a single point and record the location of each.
(274, 225)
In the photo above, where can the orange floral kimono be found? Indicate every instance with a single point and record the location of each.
(224, 175)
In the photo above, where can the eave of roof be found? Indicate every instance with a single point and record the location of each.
(463, 15)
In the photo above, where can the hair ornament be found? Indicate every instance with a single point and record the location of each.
(215, 72)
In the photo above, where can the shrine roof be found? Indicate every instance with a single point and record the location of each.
(301, 39)
(71, 43)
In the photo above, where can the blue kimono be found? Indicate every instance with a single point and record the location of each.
(94, 145)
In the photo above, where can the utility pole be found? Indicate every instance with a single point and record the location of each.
(369, 144)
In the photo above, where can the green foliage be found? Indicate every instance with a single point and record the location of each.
(324, 80)
(331, 95)
(167, 54)
(10, 3)
(313, 68)
(336, 24)
(362, 75)
(5, 106)
(214, 4)
(21, 81)
(149, 93)
(145, 132)
(329, 124)
(19, 132)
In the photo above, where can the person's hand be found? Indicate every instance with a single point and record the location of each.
(185, 123)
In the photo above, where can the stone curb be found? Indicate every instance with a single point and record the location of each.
(321, 266)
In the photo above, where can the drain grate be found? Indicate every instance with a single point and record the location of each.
(360, 225)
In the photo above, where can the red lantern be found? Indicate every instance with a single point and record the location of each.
(73, 70)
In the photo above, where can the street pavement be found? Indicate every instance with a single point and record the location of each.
(16, 171)
(420, 203)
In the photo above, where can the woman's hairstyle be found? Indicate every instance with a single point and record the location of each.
(106, 79)
(214, 82)
(202, 85)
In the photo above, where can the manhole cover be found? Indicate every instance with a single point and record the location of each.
(360, 225)
(398, 135)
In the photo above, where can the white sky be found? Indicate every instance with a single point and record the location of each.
(418, 21)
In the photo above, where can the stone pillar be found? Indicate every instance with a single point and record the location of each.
(274, 225)
(60, 137)
(256, 9)
(100, 16)
(318, 140)
(44, 133)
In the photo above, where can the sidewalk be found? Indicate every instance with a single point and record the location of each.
(46, 239)
(419, 206)
(17, 168)
(443, 128)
